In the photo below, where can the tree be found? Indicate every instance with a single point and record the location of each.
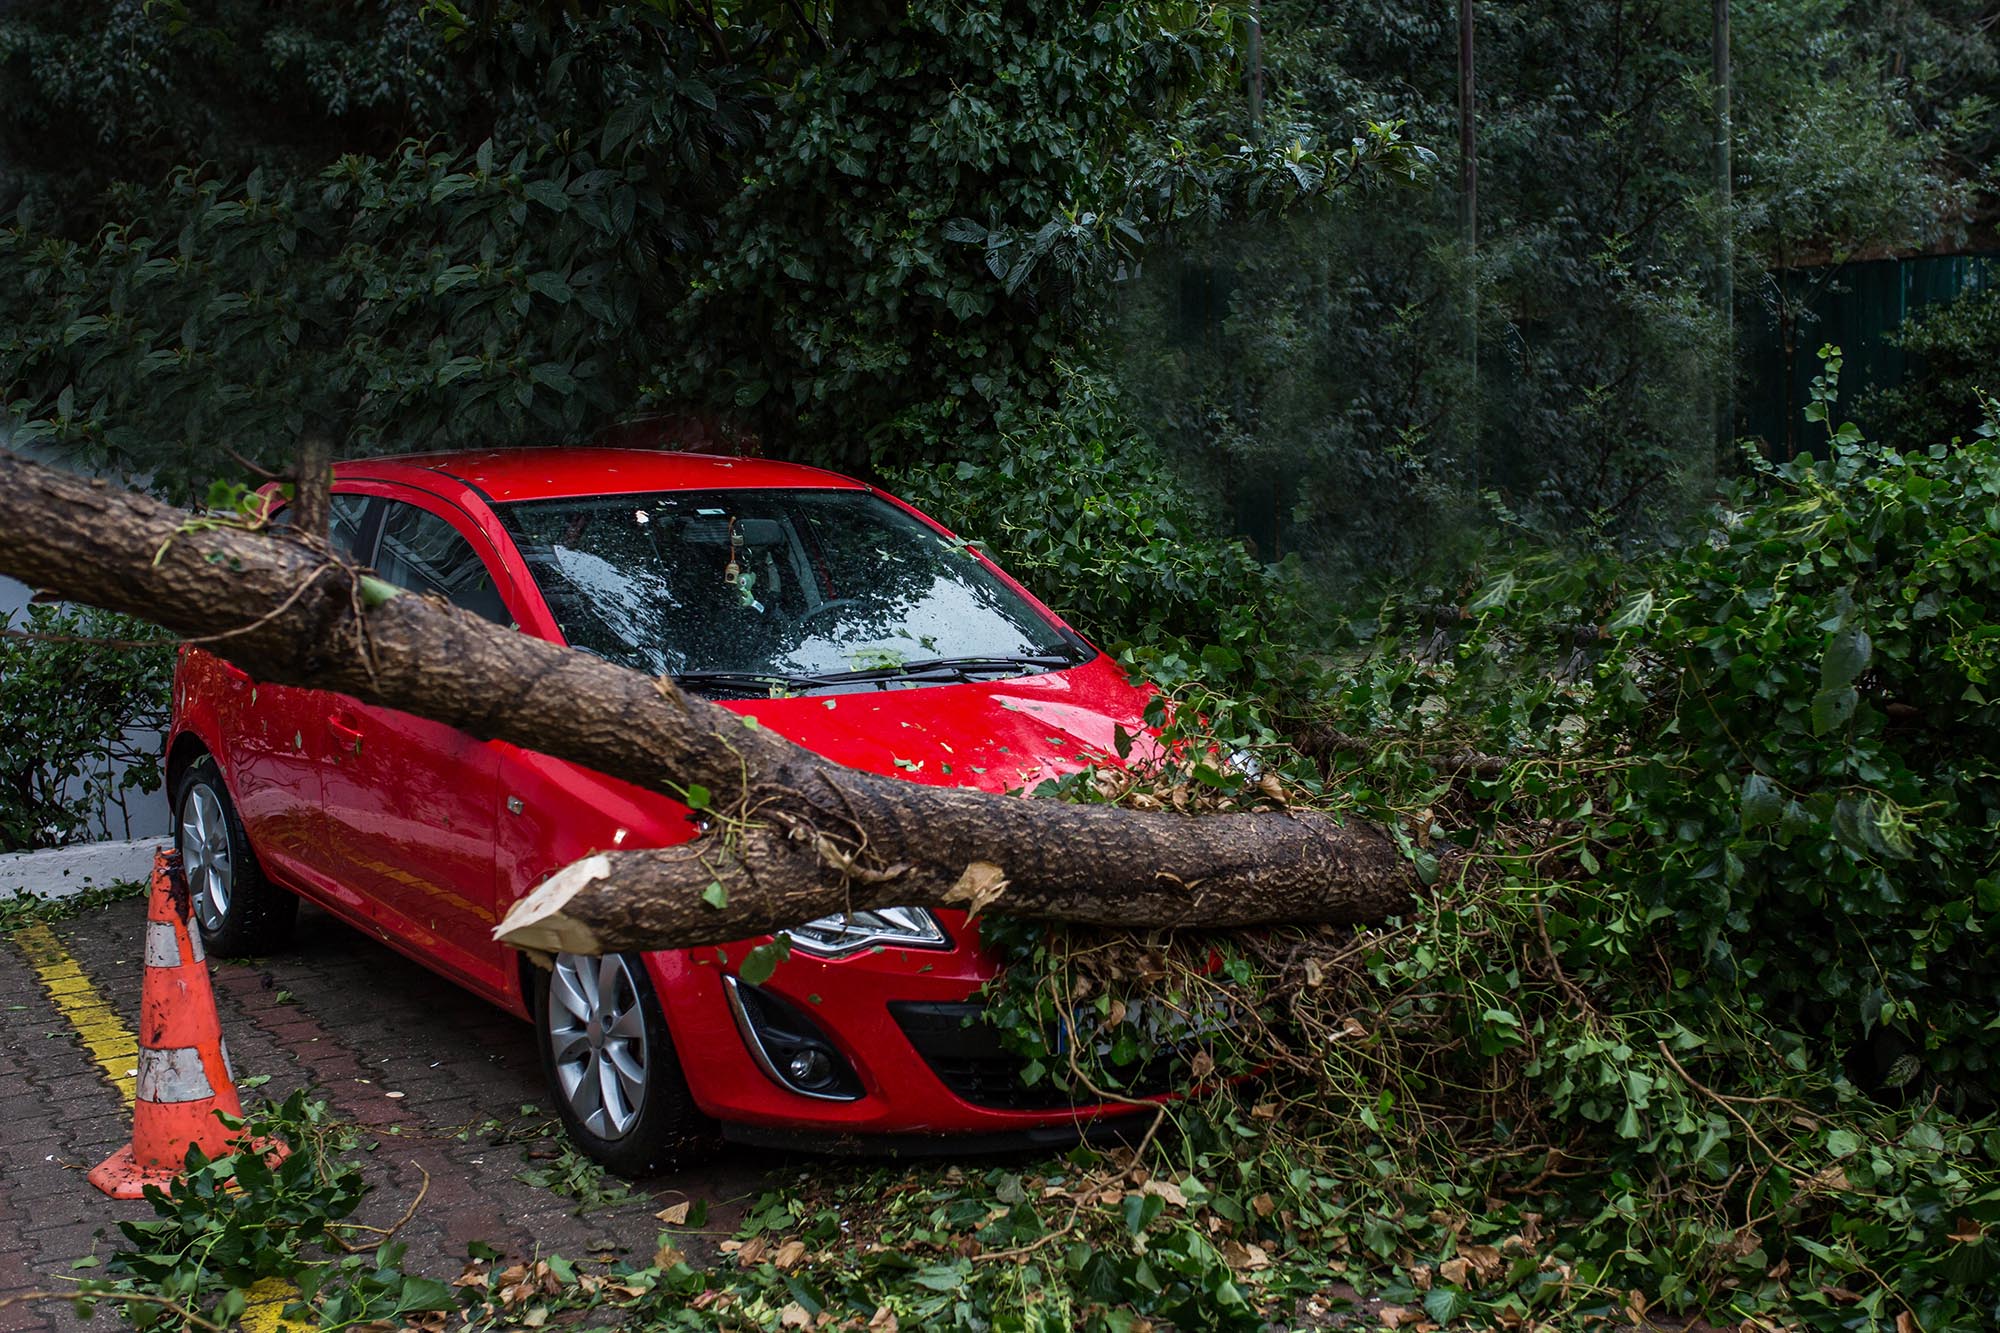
(796, 836)
(861, 242)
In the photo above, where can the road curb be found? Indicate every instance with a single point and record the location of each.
(63, 872)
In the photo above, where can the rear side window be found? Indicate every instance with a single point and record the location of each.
(423, 553)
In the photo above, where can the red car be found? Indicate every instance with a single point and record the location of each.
(850, 622)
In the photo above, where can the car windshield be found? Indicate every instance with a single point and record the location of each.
(777, 589)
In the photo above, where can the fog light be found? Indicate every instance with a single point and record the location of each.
(788, 1046)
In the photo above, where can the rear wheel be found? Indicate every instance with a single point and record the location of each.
(611, 1064)
(240, 913)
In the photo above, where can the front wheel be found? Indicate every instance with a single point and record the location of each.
(241, 914)
(611, 1065)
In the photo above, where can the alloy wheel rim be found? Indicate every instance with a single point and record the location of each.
(205, 859)
(597, 1034)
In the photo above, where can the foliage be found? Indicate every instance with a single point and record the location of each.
(861, 241)
(244, 1218)
(1955, 348)
(24, 909)
(1700, 1016)
(1320, 375)
(83, 692)
(1082, 508)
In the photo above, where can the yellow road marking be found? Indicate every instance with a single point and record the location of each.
(268, 1297)
(110, 1042)
(116, 1051)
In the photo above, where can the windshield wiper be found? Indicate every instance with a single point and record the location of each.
(950, 668)
(757, 684)
(748, 684)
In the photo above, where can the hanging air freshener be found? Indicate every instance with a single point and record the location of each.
(734, 575)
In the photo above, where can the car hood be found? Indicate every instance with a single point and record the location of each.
(999, 735)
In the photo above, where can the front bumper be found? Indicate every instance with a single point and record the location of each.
(897, 1018)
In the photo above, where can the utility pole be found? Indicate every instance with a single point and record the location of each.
(1468, 216)
(1725, 249)
(1256, 71)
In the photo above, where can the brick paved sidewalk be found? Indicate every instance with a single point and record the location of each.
(346, 1018)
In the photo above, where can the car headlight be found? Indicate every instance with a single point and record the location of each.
(849, 932)
(1245, 762)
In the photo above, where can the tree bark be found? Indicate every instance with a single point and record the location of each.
(312, 495)
(794, 836)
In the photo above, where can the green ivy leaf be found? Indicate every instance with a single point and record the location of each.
(1848, 652)
(1763, 803)
(759, 964)
(1635, 614)
(1495, 595)
(1445, 1304)
(1832, 708)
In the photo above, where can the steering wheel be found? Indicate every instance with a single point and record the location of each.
(825, 607)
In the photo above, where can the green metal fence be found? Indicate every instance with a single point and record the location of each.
(1856, 307)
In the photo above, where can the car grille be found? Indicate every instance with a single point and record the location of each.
(970, 1061)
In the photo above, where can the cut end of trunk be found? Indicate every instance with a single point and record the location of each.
(538, 923)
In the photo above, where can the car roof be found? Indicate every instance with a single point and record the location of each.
(552, 472)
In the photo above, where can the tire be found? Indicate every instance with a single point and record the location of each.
(612, 1069)
(240, 912)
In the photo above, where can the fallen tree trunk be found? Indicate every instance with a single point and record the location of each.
(795, 836)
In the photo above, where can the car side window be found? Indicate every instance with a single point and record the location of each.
(421, 552)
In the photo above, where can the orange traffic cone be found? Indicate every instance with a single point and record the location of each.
(184, 1075)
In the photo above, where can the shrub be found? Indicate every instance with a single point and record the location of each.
(82, 691)
(1081, 506)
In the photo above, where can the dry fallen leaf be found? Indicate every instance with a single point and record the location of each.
(675, 1214)
(1395, 1316)
(794, 1316)
(1245, 1258)
(1969, 1232)
(667, 1256)
(1167, 1190)
(789, 1254)
(1454, 1271)
(1485, 1260)
(980, 884)
(752, 1253)
(1264, 1205)
(884, 1320)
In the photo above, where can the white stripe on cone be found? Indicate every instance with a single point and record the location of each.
(172, 1076)
(162, 950)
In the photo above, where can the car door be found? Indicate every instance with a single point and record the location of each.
(409, 804)
(275, 747)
